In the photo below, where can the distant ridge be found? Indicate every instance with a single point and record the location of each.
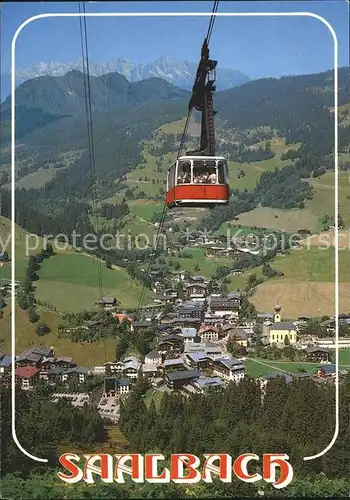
(178, 72)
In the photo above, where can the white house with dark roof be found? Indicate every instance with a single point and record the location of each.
(176, 380)
(150, 370)
(153, 358)
(196, 290)
(173, 363)
(203, 384)
(131, 367)
(228, 368)
(188, 334)
(107, 302)
(209, 333)
(220, 306)
(78, 372)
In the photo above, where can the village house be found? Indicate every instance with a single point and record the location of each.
(176, 380)
(53, 375)
(228, 368)
(226, 330)
(27, 376)
(64, 362)
(176, 364)
(107, 303)
(197, 279)
(33, 356)
(150, 370)
(220, 306)
(114, 386)
(174, 343)
(241, 337)
(168, 296)
(317, 355)
(209, 333)
(191, 309)
(221, 252)
(163, 299)
(195, 347)
(196, 290)
(265, 316)
(189, 335)
(203, 384)
(114, 367)
(179, 276)
(153, 358)
(122, 318)
(326, 371)
(131, 367)
(140, 326)
(5, 365)
(212, 320)
(329, 342)
(46, 365)
(197, 360)
(213, 350)
(266, 328)
(158, 287)
(99, 370)
(78, 373)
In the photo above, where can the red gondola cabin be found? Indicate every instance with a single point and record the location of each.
(197, 181)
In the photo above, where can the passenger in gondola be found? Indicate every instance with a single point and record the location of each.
(212, 177)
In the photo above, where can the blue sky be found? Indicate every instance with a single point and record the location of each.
(259, 47)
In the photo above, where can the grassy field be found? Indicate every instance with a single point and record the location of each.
(259, 367)
(145, 209)
(323, 199)
(239, 281)
(308, 218)
(307, 287)
(38, 179)
(283, 220)
(313, 264)
(149, 170)
(301, 298)
(71, 282)
(254, 170)
(84, 354)
(327, 238)
(25, 245)
(231, 229)
(344, 357)
(207, 266)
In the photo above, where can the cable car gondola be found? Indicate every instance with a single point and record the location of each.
(200, 178)
(197, 181)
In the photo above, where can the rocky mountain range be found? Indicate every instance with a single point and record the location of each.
(178, 72)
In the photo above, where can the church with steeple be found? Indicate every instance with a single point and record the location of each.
(281, 332)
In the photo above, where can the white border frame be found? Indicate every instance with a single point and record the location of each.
(13, 135)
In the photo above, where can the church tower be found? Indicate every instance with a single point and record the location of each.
(277, 313)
